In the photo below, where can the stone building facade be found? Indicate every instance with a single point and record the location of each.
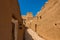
(27, 19)
(10, 30)
(47, 22)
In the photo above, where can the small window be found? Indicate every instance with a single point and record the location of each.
(40, 17)
(55, 24)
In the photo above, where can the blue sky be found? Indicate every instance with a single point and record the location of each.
(30, 6)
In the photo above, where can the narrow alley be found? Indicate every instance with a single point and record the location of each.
(44, 26)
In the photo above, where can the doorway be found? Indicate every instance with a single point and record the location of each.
(35, 27)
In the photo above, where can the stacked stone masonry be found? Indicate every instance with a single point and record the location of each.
(47, 21)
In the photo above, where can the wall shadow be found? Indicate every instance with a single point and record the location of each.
(27, 36)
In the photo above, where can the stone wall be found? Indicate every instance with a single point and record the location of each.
(8, 8)
(47, 21)
(32, 35)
